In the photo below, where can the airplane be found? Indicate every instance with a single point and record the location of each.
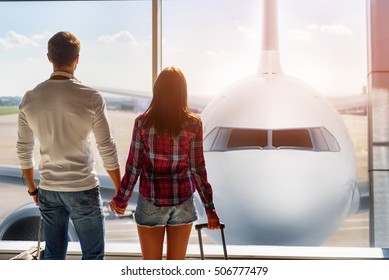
(277, 153)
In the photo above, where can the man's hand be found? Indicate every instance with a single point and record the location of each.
(118, 210)
(35, 197)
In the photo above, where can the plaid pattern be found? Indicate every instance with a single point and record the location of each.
(170, 169)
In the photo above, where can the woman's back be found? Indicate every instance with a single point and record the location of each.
(168, 162)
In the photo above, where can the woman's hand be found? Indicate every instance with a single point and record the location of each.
(213, 220)
(118, 210)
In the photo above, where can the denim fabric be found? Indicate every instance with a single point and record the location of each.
(147, 214)
(85, 210)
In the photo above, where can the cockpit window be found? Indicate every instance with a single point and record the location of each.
(312, 139)
(293, 138)
(247, 138)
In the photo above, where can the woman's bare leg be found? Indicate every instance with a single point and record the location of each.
(151, 242)
(177, 241)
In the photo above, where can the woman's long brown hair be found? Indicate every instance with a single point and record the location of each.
(169, 106)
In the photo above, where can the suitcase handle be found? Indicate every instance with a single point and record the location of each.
(199, 227)
(38, 251)
(205, 225)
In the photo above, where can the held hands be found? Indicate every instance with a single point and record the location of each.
(213, 220)
(118, 210)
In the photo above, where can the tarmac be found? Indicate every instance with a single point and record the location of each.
(354, 232)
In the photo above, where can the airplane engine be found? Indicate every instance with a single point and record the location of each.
(23, 224)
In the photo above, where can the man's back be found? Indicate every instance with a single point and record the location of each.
(62, 115)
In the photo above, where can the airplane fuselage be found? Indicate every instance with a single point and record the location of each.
(280, 161)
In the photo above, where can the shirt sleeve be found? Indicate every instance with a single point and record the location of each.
(26, 141)
(104, 140)
(133, 168)
(199, 173)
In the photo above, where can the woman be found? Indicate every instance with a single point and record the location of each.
(167, 153)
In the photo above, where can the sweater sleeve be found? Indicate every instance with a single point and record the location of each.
(105, 142)
(26, 141)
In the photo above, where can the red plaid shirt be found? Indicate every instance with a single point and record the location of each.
(170, 169)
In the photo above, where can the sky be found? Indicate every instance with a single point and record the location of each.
(214, 42)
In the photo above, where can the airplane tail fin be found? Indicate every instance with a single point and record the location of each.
(270, 57)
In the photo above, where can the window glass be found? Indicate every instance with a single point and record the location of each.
(330, 140)
(247, 138)
(210, 139)
(115, 54)
(315, 139)
(215, 43)
(299, 138)
(323, 44)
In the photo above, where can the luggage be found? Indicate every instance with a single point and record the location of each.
(30, 254)
(199, 227)
(34, 253)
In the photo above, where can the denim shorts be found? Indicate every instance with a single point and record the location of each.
(147, 214)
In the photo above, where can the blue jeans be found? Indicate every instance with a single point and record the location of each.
(85, 210)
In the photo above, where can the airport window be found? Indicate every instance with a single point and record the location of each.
(215, 43)
(224, 41)
(115, 56)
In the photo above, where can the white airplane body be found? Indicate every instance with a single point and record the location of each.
(274, 144)
(296, 182)
(278, 156)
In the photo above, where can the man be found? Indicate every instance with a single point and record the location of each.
(62, 113)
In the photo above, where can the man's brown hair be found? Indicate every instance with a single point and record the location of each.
(63, 48)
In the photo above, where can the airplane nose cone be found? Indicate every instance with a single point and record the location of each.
(284, 203)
